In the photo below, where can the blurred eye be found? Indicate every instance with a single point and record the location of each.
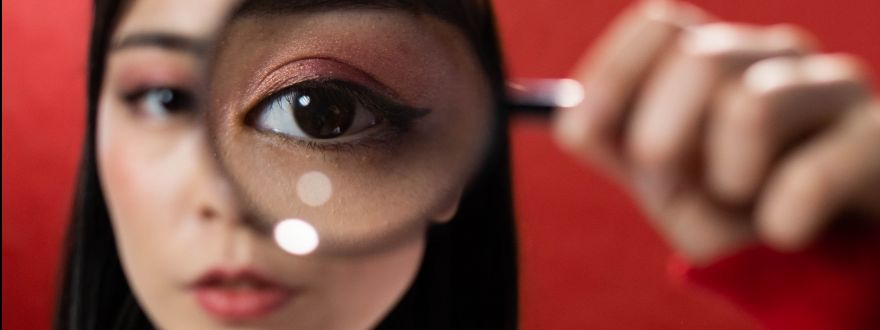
(316, 111)
(161, 102)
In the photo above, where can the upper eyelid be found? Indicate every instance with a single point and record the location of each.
(358, 92)
(152, 68)
(289, 73)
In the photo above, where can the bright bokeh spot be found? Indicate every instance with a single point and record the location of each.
(296, 236)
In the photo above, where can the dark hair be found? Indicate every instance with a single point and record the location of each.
(468, 276)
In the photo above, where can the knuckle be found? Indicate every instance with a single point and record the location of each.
(835, 67)
(791, 37)
(738, 43)
(815, 82)
(714, 40)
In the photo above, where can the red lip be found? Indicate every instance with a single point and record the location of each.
(239, 294)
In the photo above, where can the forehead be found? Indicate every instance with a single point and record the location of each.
(190, 18)
(203, 17)
(202, 20)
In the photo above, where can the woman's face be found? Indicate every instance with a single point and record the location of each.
(363, 123)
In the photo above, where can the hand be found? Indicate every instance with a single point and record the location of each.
(727, 134)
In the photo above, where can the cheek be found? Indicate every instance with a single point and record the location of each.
(144, 179)
(144, 175)
(362, 290)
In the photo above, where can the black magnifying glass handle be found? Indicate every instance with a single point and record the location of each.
(541, 96)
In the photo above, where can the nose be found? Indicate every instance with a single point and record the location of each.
(216, 198)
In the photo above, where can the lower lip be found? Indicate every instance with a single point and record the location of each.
(241, 305)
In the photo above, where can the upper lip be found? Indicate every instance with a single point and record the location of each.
(231, 276)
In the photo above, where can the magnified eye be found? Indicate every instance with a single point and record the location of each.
(317, 110)
(161, 102)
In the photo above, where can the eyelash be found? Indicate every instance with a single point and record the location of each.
(394, 119)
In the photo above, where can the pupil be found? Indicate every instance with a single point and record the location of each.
(322, 115)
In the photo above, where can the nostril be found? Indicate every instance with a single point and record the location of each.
(207, 213)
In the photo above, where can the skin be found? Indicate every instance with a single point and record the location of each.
(727, 134)
(187, 195)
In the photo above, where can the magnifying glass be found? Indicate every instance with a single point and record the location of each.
(351, 147)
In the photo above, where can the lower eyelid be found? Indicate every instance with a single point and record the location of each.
(383, 138)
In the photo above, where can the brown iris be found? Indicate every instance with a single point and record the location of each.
(321, 113)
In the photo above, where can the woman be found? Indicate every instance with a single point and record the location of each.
(469, 273)
(385, 108)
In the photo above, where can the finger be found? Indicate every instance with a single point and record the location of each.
(777, 102)
(839, 168)
(664, 138)
(611, 75)
(699, 241)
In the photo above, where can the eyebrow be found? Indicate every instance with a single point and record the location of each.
(163, 40)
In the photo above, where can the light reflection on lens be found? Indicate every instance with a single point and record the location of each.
(314, 188)
(296, 236)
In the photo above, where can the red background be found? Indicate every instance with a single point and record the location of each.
(588, 259)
